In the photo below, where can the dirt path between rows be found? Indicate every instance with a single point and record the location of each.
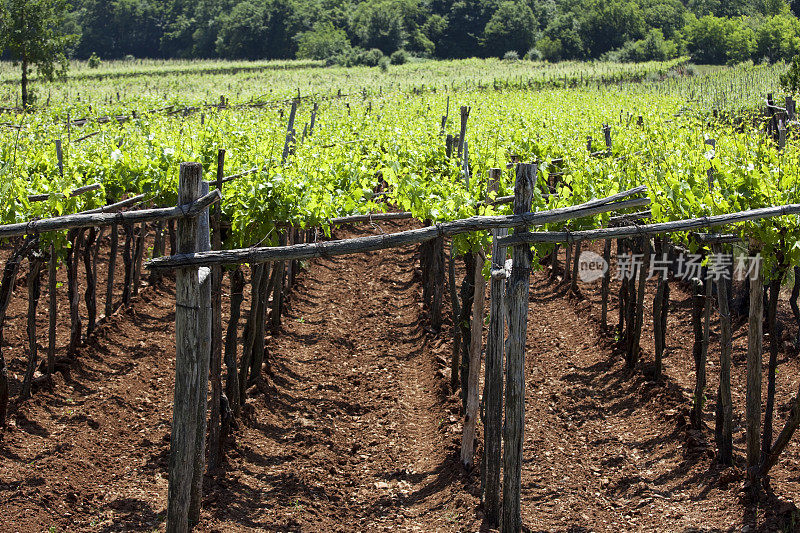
(353, 433)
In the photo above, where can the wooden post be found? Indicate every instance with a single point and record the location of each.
(90, 295)
(774, 287)
(638, 306)
(289, 133)
(455, 359)
(215, 450)
(34, 278)
(60, 157)
(437, 262)
(607, 135)
(753, 395)
(493, 382)
(138, 257)
(313, 119)
(231, 338)
(158, 251)
(187, 361)
(6, 289)
(724, 416)
(463, 132)
(250, 338)
(128, 262)
(257, 357)
(53, 310)
(604, 285)
(465, 163)
(277, 295)
(518, 295)
(204, 353)
(573, 287)
(112, 266)
(476, 331)
(76, 241)
(698, 305)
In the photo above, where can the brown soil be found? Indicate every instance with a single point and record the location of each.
(355, 430)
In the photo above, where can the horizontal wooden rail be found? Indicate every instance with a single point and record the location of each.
(97, 219)
(76, 192)
(232, 177)
(716, 238)
(649, 229)
(415, 236)
(370, 217)
(119, 206)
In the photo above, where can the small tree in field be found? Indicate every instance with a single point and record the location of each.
(30, 32)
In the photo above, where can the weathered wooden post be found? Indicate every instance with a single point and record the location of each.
(699, 304)
(188, 360)
(517, 295)
(112, 266)
(216, 332)
(34, 288)
(604, 285)
(753, 395)
(60, 157)
(90, 295)
(724, 418)
(204, 360)
(638, 318)
(287, 146)
(76, 241)
(463, 132)
(476, 331)
(53, 310)
(493, 382)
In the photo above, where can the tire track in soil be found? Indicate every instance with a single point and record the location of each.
(353, 431)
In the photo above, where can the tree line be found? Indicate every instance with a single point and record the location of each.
(352, 31)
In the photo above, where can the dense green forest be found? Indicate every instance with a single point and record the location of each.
(350, 31)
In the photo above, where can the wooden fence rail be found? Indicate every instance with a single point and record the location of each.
(416, 236)
(98, 218)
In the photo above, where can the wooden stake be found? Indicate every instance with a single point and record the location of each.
(90, 294)
(724, 415)
(753, 395)
(699, 303)
(112, 266)
(76, 241)
(604, 285)
(493, 382)
(231, 338)
(34, 288)
(204, 361)
(53, 310)
(455, 359)
(215, 444)
(476, 332)
(634, 348)
(6, 289)
(517, 295)
(187, 362)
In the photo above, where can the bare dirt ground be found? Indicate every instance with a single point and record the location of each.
(355, 430)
